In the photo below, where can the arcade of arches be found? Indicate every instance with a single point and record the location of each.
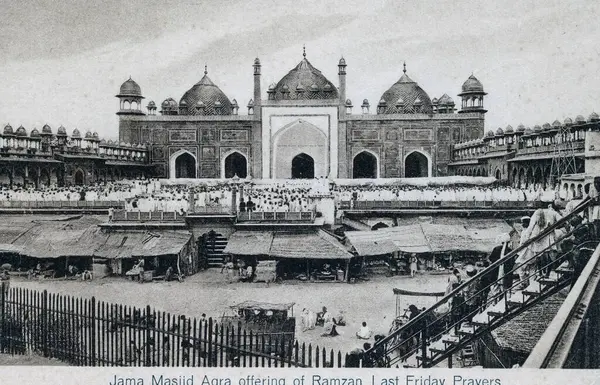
(303, 167)
(416, 165)
(236, 164)
(364, 165)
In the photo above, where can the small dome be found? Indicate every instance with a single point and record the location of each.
(257, 62)
(46, 129)
(417, 102)
(151, 104)
(509, 129)
(122, 144)
(528, 131)
(88, 135)
(472, 85)
(446, 100)
(103, 141)
(183, 103)
(568, 121)
(234, 103)
(272, 86)
(76, 134)
(314, 88)
(537, 129)
(434, 101)
(342, 61)
(547, 127)
(95, 135)
(499, 132)
(34, 133)
(365, 103)
(490, 133)
(348, 103)
(382, 102)
(8, 130)
(399, 102)
(251, 103)
(21, 131)
(110, 142)
(579, 119)
(520, 128)
(593, 117)
(556, 124)
(130, 88)
(61, 131)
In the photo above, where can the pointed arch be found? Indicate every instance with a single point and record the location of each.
(365, 165)
(417, 164)
(233, 163)
(183, 164)
(303, 167)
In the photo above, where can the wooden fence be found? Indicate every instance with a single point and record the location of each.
(87, 332)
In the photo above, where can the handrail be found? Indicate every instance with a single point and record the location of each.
(430, 311)
(543, 351)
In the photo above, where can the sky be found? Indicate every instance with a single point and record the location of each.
(62, 63)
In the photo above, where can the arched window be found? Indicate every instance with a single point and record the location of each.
(303, 167)
(364, 165)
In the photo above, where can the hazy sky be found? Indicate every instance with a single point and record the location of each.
(63, 62)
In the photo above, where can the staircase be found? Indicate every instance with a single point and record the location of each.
(485, 302)
(212, 246)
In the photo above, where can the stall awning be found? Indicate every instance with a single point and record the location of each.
(287, 245)
(249, 243)
(463, 235)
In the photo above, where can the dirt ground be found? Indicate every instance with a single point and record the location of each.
(209, 292)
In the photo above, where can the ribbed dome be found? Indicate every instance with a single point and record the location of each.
(401, 98)
(21, 131)
(76, 134)
(472, 85)
(34, 133)
(130, 88)
(509, 129)
(8, 130)
(46, 129)
(304, 82)
(207, 92)
(61, 131)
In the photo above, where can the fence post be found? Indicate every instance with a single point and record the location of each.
(2, 313)
(424, 362)
(45, 323)
(148, 350)
(92, 321)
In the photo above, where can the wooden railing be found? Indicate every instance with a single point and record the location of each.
(291, 216)
(147, 216)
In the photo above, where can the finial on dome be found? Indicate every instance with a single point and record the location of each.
(205, 69)
(404, 70)
(304, 50)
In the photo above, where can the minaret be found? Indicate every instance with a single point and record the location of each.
(342, 171)
(257, 96)
(342, 76)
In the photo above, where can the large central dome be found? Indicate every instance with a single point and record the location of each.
(205, 98)
(405, 97)
(303, 83)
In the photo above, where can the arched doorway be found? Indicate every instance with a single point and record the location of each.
(498, 175)
(303, 167)
(79, 178)
(185, 166)
(364, 165)
(416, 165)
(236, 164)
(45, 178)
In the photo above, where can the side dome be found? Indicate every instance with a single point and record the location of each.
(8, 130)
(304, 82)
(205, 91)
(46, 129)
(61, 131)
(21, 131)
(406, 97)
(130, 88)
(472, 85)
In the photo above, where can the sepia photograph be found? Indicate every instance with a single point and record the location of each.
(285, 184)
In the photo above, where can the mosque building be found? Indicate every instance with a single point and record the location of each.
(303, 127)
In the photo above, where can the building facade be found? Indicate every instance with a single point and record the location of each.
(303, 127)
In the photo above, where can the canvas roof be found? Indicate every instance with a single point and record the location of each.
(430, 236)
(263, 305)
(311, 245)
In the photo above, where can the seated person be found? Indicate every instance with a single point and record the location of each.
(340, 319)
(329, 329)
(364, 332)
